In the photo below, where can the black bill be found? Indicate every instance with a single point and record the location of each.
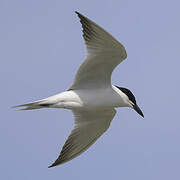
(138, 110)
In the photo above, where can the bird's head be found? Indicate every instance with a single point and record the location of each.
(131, 101)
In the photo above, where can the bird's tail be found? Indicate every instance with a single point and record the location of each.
(33, 105)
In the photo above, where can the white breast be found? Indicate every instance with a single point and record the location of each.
(89, 98)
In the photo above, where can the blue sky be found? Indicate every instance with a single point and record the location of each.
(41, 49)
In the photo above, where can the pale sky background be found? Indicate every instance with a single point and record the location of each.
(41, 47)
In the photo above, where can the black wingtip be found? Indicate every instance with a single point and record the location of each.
(55, 164)
(51, 166)
(79, 14)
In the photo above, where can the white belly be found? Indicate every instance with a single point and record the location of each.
(88, 99)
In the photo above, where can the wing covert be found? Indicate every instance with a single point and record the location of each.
(89, 126)
(104, 54)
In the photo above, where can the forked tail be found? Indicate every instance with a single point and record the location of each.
(34, 105)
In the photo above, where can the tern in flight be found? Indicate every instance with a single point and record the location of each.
(91, 98)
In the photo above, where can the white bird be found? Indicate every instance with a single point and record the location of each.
(91, 98)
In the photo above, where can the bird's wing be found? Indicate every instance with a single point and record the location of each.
(89, 126)
(104, 54)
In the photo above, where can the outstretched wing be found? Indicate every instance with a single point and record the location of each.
(104, 54)
(89, 126)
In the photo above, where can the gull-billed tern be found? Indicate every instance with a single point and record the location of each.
(91, 98)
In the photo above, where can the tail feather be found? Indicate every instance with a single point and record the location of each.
(33, 105)
(30, 108)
